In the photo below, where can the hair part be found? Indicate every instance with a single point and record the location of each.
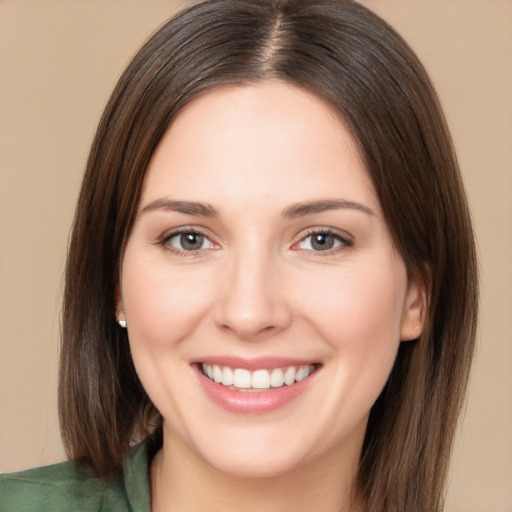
(343, 53)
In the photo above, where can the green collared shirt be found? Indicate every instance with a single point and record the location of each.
(65, 487)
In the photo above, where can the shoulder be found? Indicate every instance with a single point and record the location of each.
(54, 488)
(64, 487)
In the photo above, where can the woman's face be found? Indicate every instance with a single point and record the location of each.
(265, 301)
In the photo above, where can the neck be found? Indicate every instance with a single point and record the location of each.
(182, 482)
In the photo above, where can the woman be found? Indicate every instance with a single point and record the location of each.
(271, 279)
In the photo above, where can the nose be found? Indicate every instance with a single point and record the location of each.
(253, 302)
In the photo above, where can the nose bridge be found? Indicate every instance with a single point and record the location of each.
(253, 300)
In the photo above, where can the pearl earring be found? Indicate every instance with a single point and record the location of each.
(121, 321)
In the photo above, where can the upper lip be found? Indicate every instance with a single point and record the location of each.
(258, 363)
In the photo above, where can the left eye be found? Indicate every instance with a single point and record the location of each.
(190, 241)
(321, 241)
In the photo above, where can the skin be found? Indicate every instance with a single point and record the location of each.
(258, 287)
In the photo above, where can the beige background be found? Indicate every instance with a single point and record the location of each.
(58, 63)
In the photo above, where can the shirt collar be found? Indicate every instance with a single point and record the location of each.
(136, 472)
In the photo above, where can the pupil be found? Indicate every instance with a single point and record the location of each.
(191, 241)
(322, 242)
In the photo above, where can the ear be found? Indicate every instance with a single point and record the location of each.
(413, 315)
(119, 302)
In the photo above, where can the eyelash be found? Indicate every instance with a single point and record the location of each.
(343, 241)
(166, 238)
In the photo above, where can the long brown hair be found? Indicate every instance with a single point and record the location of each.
(345, 54)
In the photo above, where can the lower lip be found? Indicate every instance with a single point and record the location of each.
(246, 402)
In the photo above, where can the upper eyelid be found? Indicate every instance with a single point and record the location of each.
(184, 229)
(345, 242)
(342, 234)
(163, 241)
(165, 237)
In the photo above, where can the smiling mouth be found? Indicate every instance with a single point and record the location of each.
(241, 379)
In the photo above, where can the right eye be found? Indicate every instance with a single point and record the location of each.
(189, 241)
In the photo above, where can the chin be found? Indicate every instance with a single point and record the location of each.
(262, 451)
(256, 466)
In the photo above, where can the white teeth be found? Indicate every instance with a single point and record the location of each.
(302, 373)
(242, 378)
(289, 376)
(261, 379)
(277, 378)
(217, 374)
(227, 376)
(245, 380)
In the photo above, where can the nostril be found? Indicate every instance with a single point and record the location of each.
(250, 331)
(250, 315)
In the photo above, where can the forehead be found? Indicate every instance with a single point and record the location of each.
(270, 136)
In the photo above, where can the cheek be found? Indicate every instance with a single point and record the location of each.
(163, 307)
(162, 304)
(358, 313)
(358, 309)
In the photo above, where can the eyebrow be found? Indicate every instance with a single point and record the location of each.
(312, 207)
(187, 207)
(292, 212)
